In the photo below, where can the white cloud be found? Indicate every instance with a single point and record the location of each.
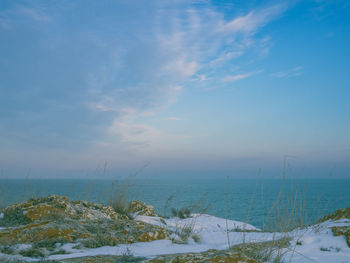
(253, 21)
(293, 72)
(226, 56)
(234, 78)
(182, 66)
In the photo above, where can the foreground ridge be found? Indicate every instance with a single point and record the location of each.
(55, 229)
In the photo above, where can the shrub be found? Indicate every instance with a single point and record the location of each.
(181, 213)
(32, 253)
(100, 240)
(118, 199)
(184, 233)
(128, 257)
(49, 244)
(7, 250)
(14, 217)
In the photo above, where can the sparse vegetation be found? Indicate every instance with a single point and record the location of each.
(269, 251)
(59, 252)
(49, 244)
(181, 212)
(13, 217)
(7, 250)
(342, 231)
(184, 232)
(100, 240)
(32, 253)
(118, 199)
(127, 257)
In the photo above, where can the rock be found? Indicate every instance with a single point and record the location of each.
(59, 206)
(141, 208)
(54, 219)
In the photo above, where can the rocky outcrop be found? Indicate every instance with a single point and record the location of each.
(44, 222)
(57, 206)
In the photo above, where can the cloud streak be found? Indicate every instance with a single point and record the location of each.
(236, 77)
(253, 21)
(293, 72)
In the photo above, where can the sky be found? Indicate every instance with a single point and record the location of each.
(186, 88)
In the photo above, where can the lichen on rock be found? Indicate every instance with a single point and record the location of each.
(141, 208)
(56, 219)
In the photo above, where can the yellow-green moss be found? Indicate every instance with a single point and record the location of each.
(342, 231)
(338, 214)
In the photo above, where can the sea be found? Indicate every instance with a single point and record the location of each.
(255, 201)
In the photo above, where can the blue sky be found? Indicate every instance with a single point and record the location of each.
(202, 88)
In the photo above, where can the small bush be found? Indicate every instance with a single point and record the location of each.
(32, 253)
(128, 257)
(7, 250)
(14, 217)
(118, 199)
(184, 233)
(49, 244)
(120, 205)
(100, 240)
(181, 213)
(196, 238)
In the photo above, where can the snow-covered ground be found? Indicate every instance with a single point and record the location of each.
(313, 244)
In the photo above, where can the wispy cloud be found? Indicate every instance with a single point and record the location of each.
(236, 77)
(226, 56)
(253, 21)
(293, 72)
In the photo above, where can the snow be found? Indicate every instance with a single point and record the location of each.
(200, 222)
(319, 245)
(312, 244)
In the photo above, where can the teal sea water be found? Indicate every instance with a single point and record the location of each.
(246, 200)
